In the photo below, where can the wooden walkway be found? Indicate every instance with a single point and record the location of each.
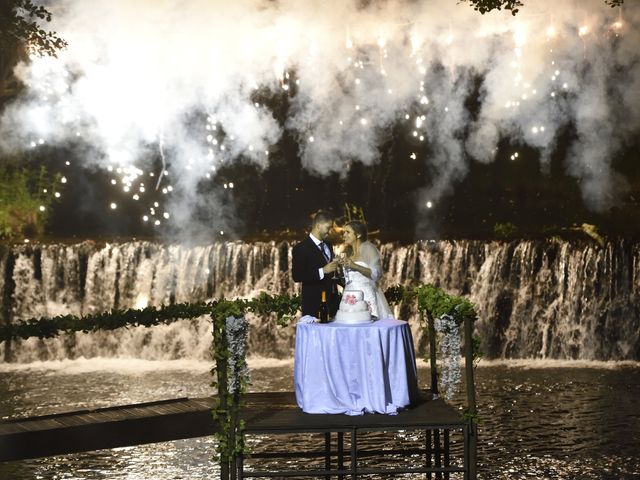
(269, 412)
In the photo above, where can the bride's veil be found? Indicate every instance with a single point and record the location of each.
(371, 256)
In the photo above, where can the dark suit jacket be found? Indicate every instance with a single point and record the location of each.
(307, 260)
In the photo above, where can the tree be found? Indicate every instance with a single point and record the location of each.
(26, 195)
(22, 35)
(19, 25)
(484, 6)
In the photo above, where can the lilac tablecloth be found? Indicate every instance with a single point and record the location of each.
(355, 369)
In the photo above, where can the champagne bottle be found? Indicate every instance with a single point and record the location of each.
(323, 312)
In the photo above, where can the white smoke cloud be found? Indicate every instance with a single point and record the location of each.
(567, 59)
(139, 74)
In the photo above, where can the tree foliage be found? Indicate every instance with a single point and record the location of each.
(484, 6)
(20, 25)
(21, 34)
(505, 230)
(26, 195)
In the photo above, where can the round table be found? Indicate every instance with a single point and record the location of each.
(354, 369)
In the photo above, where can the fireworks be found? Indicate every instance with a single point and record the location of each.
(530, 74)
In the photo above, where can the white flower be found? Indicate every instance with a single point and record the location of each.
(450, 374)
(237, 331)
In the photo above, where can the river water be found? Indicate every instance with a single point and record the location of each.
(539, 419)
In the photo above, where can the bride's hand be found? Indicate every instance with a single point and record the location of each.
(349, 263)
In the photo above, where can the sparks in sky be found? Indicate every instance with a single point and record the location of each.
(164, 103)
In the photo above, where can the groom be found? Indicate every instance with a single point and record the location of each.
(313, 265)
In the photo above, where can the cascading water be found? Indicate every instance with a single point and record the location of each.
(535, 299)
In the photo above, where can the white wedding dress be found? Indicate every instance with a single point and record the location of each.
(373, 295)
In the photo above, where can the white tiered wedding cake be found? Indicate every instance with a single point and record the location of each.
(353, 308)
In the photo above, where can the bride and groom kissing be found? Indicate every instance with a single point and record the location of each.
(314, 265)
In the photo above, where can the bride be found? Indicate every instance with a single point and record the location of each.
(363, 268)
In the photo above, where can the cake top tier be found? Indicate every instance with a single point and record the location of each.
(352, 296)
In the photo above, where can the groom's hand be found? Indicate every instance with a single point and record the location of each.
(330, 267)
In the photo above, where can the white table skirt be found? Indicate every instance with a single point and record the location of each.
(355, 369)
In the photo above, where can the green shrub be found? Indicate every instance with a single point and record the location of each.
(505, 230)
(26, 197)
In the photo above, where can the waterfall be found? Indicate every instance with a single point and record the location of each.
(535, 299)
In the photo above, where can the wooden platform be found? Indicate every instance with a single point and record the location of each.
(269, 413)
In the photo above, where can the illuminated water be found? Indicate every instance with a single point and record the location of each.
(535, 299)
(554, 419)
(539, 420)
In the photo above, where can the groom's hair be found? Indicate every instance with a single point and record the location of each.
(321, 216)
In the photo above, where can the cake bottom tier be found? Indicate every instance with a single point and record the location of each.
(353, 317)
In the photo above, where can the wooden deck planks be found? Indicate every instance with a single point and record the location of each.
(128, 425)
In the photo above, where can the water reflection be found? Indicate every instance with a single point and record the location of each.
(568, 411)
(536, 421)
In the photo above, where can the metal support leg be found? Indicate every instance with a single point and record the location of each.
(341, 453)
(465, 432)
(427, 442)
(238, 462)
(473, 450)
(240, 465)
(354, 454)
(327, 453)
(446, 453)
(437, 452)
